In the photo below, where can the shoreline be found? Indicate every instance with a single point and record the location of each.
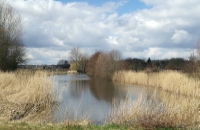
(170, 81)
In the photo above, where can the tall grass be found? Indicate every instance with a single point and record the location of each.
(25, 95)
(172, 81)
(177, 109)
(162, 110)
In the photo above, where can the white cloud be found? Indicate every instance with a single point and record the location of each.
(46, 55)
(51, 28)
(112, 40)
(181, 36)
(160, 53)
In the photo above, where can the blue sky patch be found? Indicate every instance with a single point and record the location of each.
(128, 7)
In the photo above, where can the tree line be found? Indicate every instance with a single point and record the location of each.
(103, 64)
(136, 64)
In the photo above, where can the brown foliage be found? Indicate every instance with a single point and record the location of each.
(161, 110)
(92, 63)
(172, 81)
(104, 64)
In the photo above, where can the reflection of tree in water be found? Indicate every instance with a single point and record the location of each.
(105, 90)
(101, 89)
(77, 87)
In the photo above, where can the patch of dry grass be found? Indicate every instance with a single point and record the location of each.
(25, 95)
(177, 107)
(162, 110)
(172, 81)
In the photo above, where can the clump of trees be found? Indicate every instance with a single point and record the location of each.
(135, 64)
(104, 64)
(157, 65)
(176, 64)
(64, 64)
(12, 50)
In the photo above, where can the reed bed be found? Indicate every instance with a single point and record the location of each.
(26, 95)
(159, 111)
(172, 81)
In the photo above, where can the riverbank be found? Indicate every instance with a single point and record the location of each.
(177, 107)
(61, 72)
(51, 71)
(29, 96)
(161, 110)
(26, 95)
(171, 81)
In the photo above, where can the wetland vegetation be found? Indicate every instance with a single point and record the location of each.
(33, 100)
(28, 97)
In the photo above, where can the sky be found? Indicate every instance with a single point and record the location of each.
(158, 29)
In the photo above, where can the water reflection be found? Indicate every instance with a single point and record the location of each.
(77, 87)
(105, 90)
(84, 96)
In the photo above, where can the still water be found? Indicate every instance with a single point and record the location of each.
(82, 96)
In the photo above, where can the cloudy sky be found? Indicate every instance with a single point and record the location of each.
(138, 28)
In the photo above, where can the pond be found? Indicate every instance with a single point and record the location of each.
(85, 97)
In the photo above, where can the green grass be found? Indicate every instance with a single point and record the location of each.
(27, 126)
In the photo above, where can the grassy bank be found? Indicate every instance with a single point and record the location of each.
(172, 81)
(28, 126)
(162, 110)
(28, 96)
(25, 95)
(177, 107)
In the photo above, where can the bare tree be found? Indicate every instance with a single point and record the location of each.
(12, 50)
(83, 62)
(92, 63)
(75, 56)
(115, 60)
(191, 66)
(102, 68)
(116, 55)
(79, 59)
(104, 64)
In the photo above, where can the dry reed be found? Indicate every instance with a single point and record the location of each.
(25, 95)
(172, 81)
(162, 110)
